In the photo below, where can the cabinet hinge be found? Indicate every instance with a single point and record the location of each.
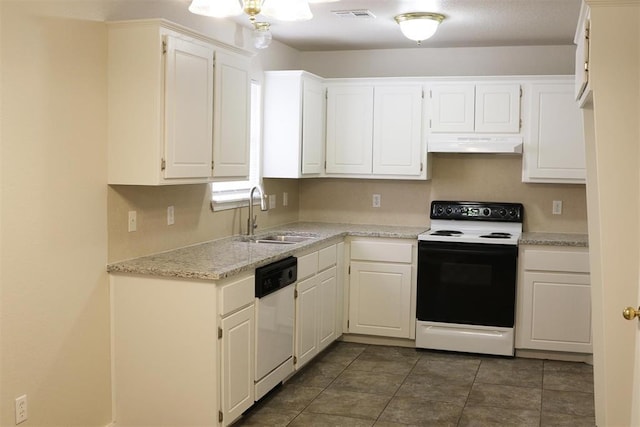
(421, 166)
(212, 164)
(295, 293)
(347, 324)
(520, 92)
(220, 416)
(295, 360)
(326, 94)
(429, 123)
(422, 93)
(520, 123)
(219, 333)
(163, 164)
(164, 47)
(349, 270)
(325, 165)
(587, 25)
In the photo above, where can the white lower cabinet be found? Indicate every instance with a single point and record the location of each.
(382, 290)
(165, 351)
(317, 297)
(183, 350)
(237, 348)
(554, 300)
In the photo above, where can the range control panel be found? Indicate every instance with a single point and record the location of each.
(477, 211)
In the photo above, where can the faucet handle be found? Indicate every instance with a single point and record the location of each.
(254, 223)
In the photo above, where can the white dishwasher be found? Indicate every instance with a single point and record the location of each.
(275, 314)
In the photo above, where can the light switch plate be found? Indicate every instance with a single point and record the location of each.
(557, 207)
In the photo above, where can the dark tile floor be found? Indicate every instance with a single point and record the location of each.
(367, 385)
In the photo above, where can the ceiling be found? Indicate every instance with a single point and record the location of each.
(468, 23)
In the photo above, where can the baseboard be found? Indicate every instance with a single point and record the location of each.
(370, 339)
(555, 355)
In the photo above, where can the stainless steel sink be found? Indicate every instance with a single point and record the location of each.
(284, 239)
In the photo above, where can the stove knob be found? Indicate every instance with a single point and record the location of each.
(512, 212)
(486, 211)
(439, 209)
(502, 212)
(448, 210)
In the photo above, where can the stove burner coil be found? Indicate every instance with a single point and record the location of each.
(446, 233)
(496, 235)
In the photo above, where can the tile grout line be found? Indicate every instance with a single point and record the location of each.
(396, 392)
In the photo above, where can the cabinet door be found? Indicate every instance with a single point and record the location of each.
(380, 299)
(313, 127)
(397, 131)
(452, 108)
(556, 312)
(497, 108)
(237, 349)
(306, 346)
(231, 116)
(554, 151)
(349, 129)
(327, 289)
(188, 108)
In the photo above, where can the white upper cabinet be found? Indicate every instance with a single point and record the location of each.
(452, 108)
(375, 130)
(581, 41)
(294, 124)
(475, 108)
(349, 129)
(162, 115)
(554, 149)
(231, 116)
(397, 130)
(188, 108)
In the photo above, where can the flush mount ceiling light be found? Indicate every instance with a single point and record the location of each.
(261, 35)
(419, 26)
(284, 10)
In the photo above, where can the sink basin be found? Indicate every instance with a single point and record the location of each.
(283, 239)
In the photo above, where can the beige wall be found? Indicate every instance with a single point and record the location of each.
(454, 177)
(54, 287)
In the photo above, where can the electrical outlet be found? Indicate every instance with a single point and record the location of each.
(171, 219)
(376, 200)
(285, 199)
(272, 201)
(133, 221)
(21, 409)
(557, 207)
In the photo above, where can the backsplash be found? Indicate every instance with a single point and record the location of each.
(454, 176)
(484, 177)
(194, 220)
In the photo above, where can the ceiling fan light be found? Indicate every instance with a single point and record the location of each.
(419, 26)
(287, 10)
(261, 35)
(216, 8)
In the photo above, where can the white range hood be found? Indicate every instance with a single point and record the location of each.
(474, 144)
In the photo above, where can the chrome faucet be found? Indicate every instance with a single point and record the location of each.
(252, 220)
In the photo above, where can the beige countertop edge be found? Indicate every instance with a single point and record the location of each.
(554, 239)
(219, 259)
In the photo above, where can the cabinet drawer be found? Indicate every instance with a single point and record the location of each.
(307, 265)
(326, 257)
(237, 294)
(382, 251)
(577, 262)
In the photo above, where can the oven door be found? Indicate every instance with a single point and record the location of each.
(467, 283)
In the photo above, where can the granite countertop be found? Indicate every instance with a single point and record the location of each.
(554, 239)
(226, 257)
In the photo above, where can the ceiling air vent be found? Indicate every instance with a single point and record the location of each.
(357, 14)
